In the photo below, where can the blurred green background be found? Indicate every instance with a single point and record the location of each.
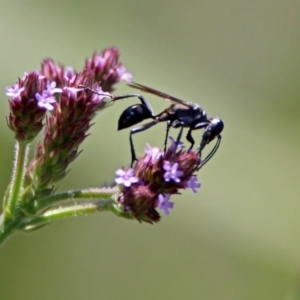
(239, 237)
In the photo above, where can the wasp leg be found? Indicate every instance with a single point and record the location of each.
(114, 98)
(190, 139)
(95, 92)
(141, 98)
(136, 130)
(167, 135)
(179, 137)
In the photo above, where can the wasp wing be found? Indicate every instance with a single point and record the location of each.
(147, 89)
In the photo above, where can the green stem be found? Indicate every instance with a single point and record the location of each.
(6, 229)
(74, 203)
(71, 211)
(65, 212)
(15, 185)
(76, 196)
(64, 205)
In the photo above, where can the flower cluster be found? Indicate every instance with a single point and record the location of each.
(154, 178)
(107, 68)
(60, 91)
(27, 106)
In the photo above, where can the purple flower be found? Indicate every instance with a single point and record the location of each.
(69, 74)
(161, 174)
(123, 74)
(174, 145)
(126, 177)
(45, 101)
(153, 153)
(14, 91)
(52, 89)
(100, 95)
(100, 61)
(72, 91)
(172, 172)
(164, 204)
(107, 69)
(37, 73)
(193, 184)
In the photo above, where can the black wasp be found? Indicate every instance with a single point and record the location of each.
(179, 114)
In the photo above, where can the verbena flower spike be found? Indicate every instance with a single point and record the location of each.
(62, 102)
(154, 178)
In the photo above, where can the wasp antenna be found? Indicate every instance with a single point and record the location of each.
(212, 152)
(95, 92)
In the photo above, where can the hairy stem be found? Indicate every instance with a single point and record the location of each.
(65, 212)
(74, 196)
(6, 229)
(13, 195)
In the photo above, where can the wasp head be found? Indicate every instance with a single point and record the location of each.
(213, 129)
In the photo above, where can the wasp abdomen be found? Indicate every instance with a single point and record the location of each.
(133, 114)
